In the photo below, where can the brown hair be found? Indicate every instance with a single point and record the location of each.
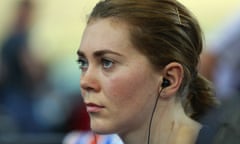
(165, 31)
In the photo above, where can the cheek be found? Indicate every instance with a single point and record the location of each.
(122, 88)
(129, 89)
(128, 97)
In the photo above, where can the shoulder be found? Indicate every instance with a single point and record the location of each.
(187, 133)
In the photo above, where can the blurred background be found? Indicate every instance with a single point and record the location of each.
(39, 78)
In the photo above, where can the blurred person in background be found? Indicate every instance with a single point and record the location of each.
(30, 102)
(21, 71)
(221, 63)
(27, 98)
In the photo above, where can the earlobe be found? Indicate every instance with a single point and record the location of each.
(172, 79)
(165, 83)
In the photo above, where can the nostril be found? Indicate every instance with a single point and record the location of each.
(87, 88)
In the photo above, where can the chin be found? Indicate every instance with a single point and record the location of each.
(102, 131)
(102, 128)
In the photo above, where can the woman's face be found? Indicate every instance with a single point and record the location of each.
(118, 84)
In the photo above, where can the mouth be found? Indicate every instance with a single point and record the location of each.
(93, 108)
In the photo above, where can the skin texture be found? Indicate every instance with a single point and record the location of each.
(126, 89)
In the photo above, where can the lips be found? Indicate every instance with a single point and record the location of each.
(93, 108)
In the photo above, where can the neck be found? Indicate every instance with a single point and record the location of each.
(170, 125)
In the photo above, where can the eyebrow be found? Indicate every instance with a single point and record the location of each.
(80, 54)
(99, 53)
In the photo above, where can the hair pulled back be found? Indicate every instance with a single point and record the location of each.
(165, 31)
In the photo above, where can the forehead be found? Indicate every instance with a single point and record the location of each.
(106, 33)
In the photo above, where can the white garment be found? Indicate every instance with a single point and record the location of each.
(88, 138)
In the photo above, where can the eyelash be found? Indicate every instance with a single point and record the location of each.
(82, 63)
(105, 63)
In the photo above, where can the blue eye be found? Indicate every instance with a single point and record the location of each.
(107, 63)
(83, 64)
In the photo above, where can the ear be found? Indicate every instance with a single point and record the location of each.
(173, 72)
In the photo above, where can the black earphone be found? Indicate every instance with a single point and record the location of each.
(165, 83)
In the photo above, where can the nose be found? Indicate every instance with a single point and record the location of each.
(89, 81)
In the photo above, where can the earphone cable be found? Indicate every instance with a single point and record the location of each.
(150, 123)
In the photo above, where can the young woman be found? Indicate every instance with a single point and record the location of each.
(139, 72)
